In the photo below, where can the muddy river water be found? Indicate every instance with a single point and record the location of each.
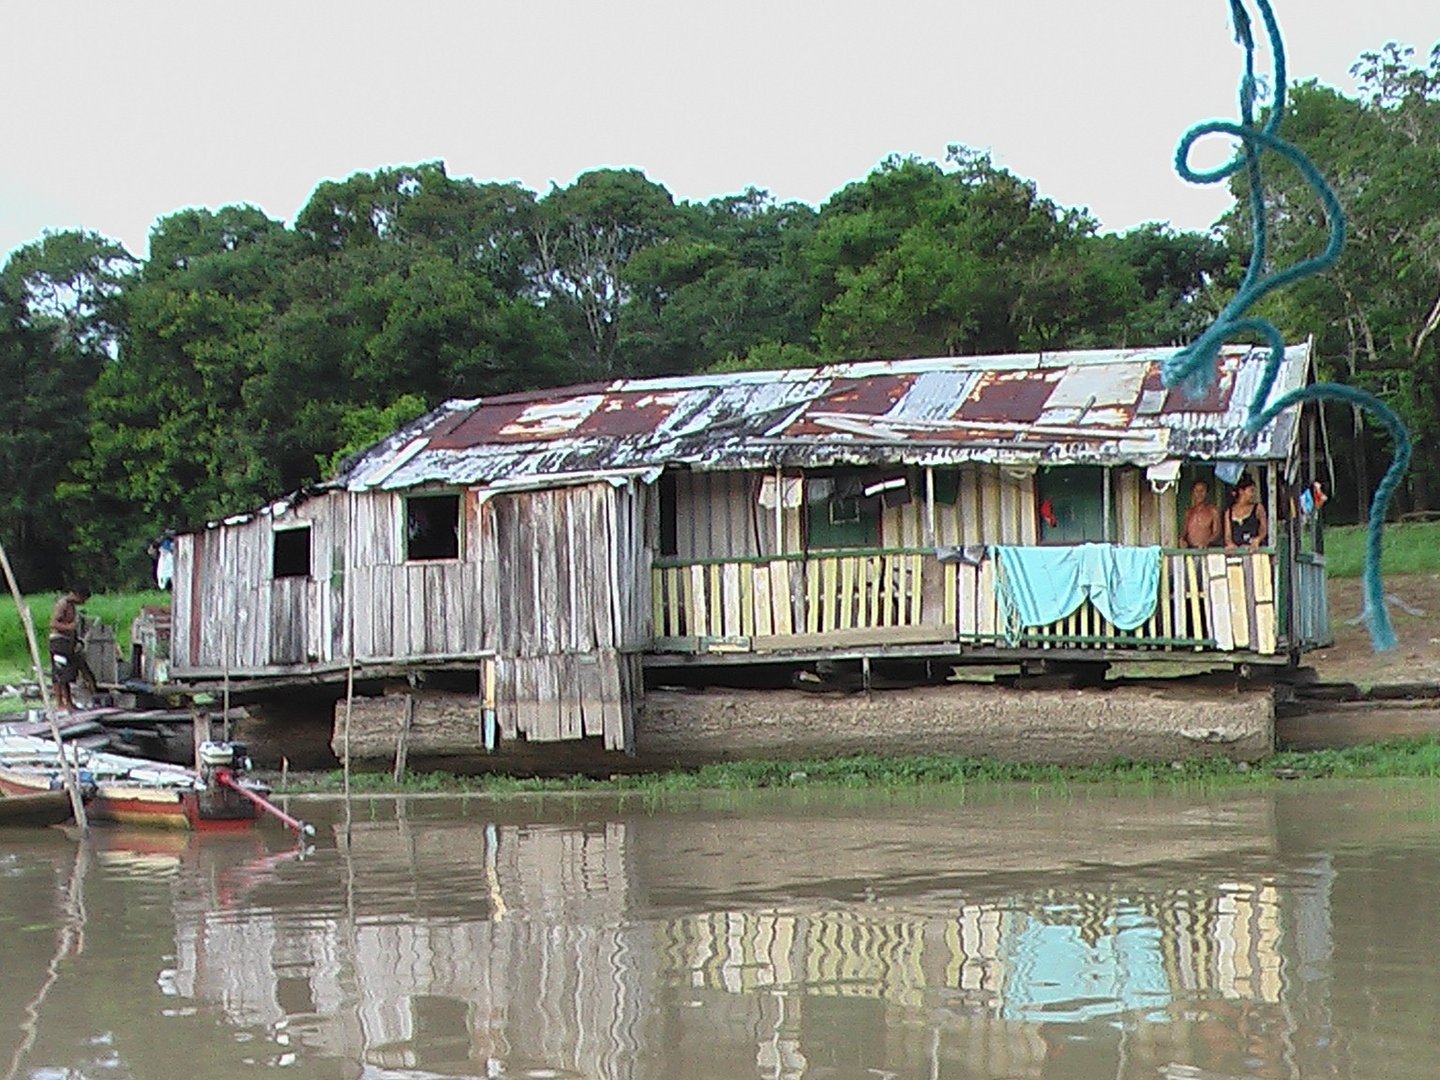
(1284, 932)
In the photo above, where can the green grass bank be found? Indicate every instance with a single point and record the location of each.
(1402, 759)
(1408, 548)
(116, 610)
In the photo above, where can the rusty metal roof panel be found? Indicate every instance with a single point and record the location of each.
(1097, 406)
(1010, 396)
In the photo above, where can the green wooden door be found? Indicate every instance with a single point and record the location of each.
(844, 522)
(1074, 497)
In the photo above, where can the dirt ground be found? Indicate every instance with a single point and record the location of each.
(1351, 658)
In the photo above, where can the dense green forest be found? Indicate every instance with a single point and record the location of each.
(245, 356)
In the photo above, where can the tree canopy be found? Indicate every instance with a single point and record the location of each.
(245, 357)
(1375, 315)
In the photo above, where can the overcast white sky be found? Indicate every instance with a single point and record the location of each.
(114, 114)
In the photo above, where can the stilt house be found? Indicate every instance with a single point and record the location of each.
(558, 545)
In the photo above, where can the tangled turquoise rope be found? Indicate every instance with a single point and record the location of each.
(1196, 366)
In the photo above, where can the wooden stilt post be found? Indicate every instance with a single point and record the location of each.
(488, 727)
(199, 734)
(72, 783)
(402, 741)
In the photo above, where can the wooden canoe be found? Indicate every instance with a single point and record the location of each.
(39, 808)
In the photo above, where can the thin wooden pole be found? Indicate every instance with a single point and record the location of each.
(402, 743)
(780, 510)
(1105, 508)
(225, 635)
(349, 594)
(72, 785)
(931, 525)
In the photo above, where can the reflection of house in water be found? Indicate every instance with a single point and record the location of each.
(993, 972)
(443, 945)
(517, 947)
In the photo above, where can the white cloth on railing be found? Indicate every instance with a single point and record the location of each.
(1038, 586)
(789, 492)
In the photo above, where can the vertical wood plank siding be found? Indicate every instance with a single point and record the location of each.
(571, 580)
(556, 583)
(233, 613)
(718, 514)
(249, 620)
(183, 614)
(1313, 607)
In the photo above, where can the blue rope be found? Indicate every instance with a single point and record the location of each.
(1195, 367)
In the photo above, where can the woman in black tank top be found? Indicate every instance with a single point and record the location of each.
(1245, 521)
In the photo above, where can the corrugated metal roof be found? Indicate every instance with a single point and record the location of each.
(1094, 407)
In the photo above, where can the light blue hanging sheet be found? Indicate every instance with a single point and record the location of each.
(1041, 585)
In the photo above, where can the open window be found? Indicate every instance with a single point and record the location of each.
(290, 552)
(432, 527)
(669, 539)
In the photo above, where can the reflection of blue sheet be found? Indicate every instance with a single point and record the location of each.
(1056, 975)
(1042, 585)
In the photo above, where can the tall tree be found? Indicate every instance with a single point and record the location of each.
(61, 320)
(1182, 278)
(729, 278)
(1376, 314)
(42, 434)
(915, 259)
(586, 234)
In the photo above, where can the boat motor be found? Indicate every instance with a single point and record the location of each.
(223, 755)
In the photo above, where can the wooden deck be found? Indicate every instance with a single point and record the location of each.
(1209, 601)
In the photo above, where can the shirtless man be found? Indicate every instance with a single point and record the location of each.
(1202, 520)
(65, 659)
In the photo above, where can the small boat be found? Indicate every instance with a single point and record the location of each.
(39, 808)
(135, 791)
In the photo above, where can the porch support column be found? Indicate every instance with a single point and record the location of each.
(1272, 502)
(930, 530)
(1105, 506)
(780, 510)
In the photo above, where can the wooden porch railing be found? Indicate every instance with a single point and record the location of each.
(784, 601)
(1208, 600)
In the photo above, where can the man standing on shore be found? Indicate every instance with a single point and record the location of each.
(65, 659)
(1202, 520)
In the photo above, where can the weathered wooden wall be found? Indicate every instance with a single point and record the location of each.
(230, 613)
(992, 506)
(553, 584)
(718, 515)
(412, 610)
(568, 614)
(583, 583)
